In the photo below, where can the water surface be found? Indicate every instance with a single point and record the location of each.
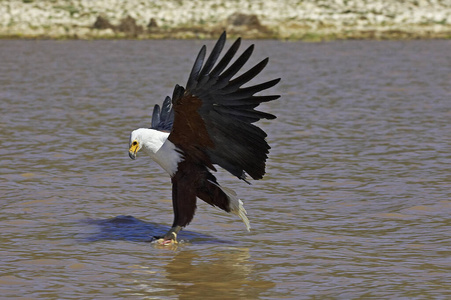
(355, 205)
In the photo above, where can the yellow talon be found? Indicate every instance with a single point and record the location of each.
(165, 241)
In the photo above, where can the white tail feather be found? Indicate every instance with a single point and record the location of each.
(236, 205)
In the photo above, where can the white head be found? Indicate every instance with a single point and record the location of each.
(148, 139)
(155, 143)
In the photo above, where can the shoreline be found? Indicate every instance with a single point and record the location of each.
(187, 34)
(308, 20)
(194, 33)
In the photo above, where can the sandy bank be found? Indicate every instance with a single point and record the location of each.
(307, 20)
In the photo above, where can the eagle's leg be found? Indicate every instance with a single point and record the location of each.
(183, 202)
(170, 237)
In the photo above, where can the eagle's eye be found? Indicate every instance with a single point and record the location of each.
(134, 143)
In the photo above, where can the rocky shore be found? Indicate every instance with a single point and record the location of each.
(286, 19)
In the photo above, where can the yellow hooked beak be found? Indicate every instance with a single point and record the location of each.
(134, 148)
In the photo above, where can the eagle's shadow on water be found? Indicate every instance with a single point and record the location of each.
(129, 228)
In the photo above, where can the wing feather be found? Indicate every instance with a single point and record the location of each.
(155, 116)
(192, 80)
(225, 77)
(214, 116)
(213, 56)
(162, 119)
(250, 102)
(226, 59)
(247, 76)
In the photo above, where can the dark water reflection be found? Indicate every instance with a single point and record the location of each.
(356, 202)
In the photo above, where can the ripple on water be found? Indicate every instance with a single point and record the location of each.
(355, 203)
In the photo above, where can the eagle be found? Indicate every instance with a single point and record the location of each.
(209, 123)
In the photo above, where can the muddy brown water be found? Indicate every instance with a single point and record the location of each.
(355, 205)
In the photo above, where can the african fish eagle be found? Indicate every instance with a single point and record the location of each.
(210, 122)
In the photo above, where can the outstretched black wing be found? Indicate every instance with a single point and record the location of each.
(214, 115)
(163, 119)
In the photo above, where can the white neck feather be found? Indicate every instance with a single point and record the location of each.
(160, 149)
(151, 140)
